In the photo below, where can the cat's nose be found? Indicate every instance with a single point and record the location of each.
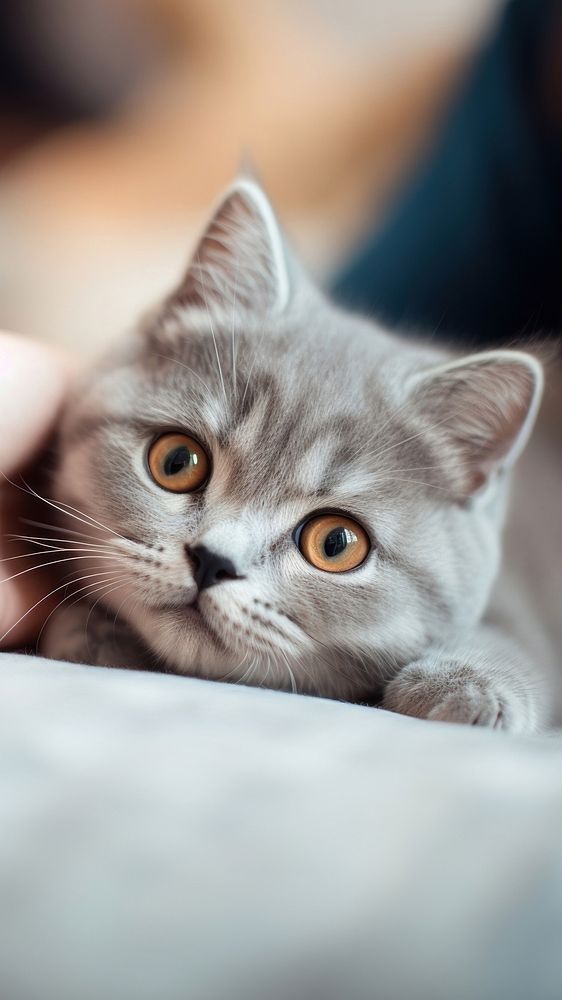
(210, 567)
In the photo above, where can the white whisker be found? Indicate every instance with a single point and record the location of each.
(234, 387)
(41, 600)
(91, 522)
(81, 591)
(254, 359)
(213, 334)
(181, 364)
(54, 562)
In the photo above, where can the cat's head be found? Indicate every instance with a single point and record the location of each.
(285, 493)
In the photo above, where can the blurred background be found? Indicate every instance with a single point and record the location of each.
(121, 120)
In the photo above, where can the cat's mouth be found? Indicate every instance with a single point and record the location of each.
(190, 614)
(252, 626)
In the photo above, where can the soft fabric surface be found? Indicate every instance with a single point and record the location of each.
(173, 838)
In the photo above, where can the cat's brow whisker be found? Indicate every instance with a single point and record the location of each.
(181, 364)
(460, 464)
(379, 429)
(412, 437)
(417, 482)
(393, 415)
(203, 289)
(254, 359)
(234, 386)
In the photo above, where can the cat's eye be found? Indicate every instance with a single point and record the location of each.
(333, 542)
(178, 463)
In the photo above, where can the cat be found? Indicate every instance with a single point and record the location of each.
(258, 487)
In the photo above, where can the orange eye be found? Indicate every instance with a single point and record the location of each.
(178, 463)
(334, 543)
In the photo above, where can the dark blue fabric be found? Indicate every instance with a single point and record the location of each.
(473, 246)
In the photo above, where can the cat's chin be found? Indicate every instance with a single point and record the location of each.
(182, 636)
(224, 642)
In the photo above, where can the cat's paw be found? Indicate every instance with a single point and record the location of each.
(455, 692)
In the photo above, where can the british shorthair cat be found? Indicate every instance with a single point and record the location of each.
(258, 487)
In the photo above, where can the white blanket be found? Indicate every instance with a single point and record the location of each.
(172, 839)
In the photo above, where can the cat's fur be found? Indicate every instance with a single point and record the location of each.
(302, 408)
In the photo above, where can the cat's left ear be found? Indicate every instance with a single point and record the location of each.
(240, 262)
(480, 411)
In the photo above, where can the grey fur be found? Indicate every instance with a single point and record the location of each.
(302, 408)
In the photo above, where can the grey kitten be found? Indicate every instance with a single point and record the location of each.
(261, 488)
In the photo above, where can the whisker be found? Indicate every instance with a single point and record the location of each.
(118, 612)
(248, 673)
(64, 544)
(224, 677)
(294, 688)
(41, 600)
(393, 415)
(28, 555)
(80, 591)
(181, 364)
(55, 562)
(331, 664)
(59, 505)
(203, 289)
(233, 355)
(379, 429)
(417, 482)
(59, 527)
(256, 354)
(44, 550)
(110, 588)
(412, 437)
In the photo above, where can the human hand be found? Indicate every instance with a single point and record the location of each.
(33, 379)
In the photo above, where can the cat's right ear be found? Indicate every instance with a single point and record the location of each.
(239, 265)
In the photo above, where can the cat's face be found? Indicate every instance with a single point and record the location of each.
(286, 494)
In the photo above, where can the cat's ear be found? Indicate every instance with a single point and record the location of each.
(240, 262)
(480, 411)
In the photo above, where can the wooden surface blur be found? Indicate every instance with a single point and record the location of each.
(330, 101)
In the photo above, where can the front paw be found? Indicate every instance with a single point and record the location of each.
(452, 692)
